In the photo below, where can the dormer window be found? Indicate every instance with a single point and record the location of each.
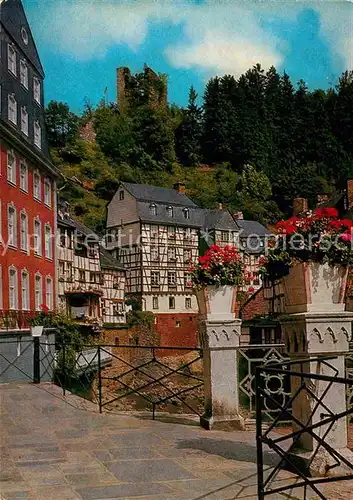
(153, 209)
(170, 211)
(186, 213)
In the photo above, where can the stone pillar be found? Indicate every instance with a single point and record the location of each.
(219, 339)
(310, 335)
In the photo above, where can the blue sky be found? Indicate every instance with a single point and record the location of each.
(82, 42)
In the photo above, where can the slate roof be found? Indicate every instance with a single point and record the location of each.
(196, 215)
(144, 192)
(107, 261)
(252, 236)
(250, 227)
(13, 18)
(219, 219)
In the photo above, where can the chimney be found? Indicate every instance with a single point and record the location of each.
(300, 206)
(180, 187)
(219, 206)
(238, 215)
(349, 194)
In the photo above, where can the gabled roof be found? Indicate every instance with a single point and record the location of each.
(250, 228)
(13, 18)
(144, 192)
(252, 235)
(219, 219)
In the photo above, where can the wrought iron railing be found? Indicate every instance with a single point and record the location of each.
(323, 422)
(130, 377)
(249, 358)
(150, 378)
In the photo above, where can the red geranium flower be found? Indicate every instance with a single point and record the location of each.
(329, 212)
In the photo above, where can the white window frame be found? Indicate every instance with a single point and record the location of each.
(172, 282)
(48, 247)
(47, 192)
(171, 300)
(187, 279)
(24, 73)
(38, 291)
(36, 89)
(11, 59)
(49, 296)
(13, 287)
(155, 304)
(171, 253)
(154, 253)
(11, 167)
(37, 131)
(25, 296)
(158, 280)
(12, 240)
(12, 108)
(24, 121)
(188, 303)
(37, 192)
(24, 231)
(37, 246)
(153, 209)
(24, 178)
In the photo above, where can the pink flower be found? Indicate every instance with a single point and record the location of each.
(346, 236)
(251, 289)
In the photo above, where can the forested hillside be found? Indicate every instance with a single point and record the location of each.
(252, 143)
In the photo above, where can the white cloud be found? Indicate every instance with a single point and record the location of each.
(225, 38)
(219, 37)
(337, 29)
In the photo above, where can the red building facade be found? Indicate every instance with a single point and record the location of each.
(27, 176)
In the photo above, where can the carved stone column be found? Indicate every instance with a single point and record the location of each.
(219, 339)
(308, 336)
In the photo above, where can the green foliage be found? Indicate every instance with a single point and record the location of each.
(254, 144)
(188, 134)
(62, 124)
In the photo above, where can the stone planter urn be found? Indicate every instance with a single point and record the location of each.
(217, 303)
(36, 331)
(315, 287)
(316, 326)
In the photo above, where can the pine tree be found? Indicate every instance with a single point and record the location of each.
(188, 134)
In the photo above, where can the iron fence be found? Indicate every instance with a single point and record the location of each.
(249, 358)
(130, 377)
(321, 415)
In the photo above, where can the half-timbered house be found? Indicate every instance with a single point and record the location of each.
(91, 283)
(155, 233)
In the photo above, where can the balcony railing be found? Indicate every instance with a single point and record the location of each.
(14, 320)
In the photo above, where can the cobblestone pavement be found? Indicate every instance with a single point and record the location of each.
(56, 449)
